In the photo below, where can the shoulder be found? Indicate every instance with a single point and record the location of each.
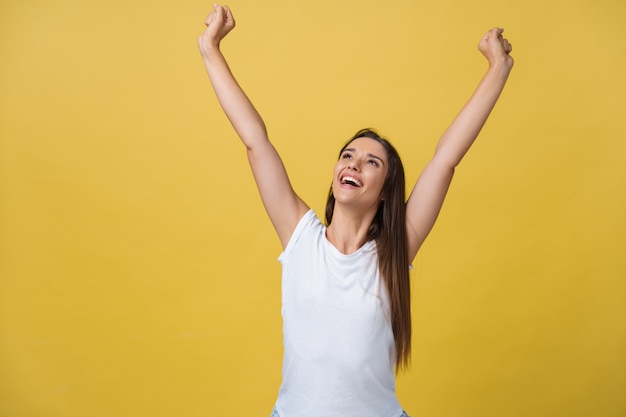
(308, 227)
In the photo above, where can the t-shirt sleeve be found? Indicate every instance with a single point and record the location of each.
(302, 225)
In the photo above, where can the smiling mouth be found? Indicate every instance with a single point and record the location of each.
(351, 181)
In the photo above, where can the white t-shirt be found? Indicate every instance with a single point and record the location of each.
(339, 351)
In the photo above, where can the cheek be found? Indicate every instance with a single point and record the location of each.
(336, 171)
(382, 177)
(381, 183)
(377, 185)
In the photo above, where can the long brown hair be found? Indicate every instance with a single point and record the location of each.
(388, 229)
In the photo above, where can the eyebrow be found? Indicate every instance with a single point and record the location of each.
(371, 155)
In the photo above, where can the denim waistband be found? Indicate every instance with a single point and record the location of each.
(275, 413)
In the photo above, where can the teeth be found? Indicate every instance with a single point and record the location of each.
(352, 180)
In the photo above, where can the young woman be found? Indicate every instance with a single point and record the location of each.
(345, 284)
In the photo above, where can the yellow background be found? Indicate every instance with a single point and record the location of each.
(138, 269)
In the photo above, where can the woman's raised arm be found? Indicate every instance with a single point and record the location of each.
(282, 204)
(427, 197)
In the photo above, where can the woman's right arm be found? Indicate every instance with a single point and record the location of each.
(283, 206)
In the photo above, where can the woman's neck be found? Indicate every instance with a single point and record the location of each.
(348, 231)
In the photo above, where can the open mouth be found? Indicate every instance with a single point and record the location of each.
(349, 180)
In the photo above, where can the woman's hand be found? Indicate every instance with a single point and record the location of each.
(219, 22)
(496, 48)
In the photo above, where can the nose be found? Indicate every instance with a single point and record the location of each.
(353, 165)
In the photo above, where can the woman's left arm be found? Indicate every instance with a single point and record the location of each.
(427, 197)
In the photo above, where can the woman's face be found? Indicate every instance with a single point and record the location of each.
(360, 173)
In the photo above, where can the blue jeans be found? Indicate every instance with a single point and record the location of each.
(275, 414)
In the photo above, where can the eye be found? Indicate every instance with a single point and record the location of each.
(372, 162)
(346, 155)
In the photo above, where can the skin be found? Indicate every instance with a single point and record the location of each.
(355, 206)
